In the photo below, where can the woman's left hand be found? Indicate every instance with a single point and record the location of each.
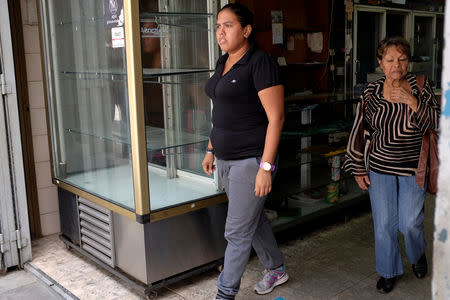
(263, 183)
(402, 95)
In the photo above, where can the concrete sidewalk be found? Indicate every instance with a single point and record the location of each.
(22, 285)
(332, 262)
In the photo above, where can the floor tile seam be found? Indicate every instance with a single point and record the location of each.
(50, 282)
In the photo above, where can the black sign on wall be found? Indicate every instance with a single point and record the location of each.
(113, 13)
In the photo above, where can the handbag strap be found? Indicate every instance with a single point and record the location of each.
(420, 82)
(420, 79)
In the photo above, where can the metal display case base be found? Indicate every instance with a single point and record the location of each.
(147, 256)
(149, 291)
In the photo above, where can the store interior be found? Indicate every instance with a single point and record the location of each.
(326, 52)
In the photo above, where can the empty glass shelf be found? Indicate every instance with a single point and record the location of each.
(157, 138)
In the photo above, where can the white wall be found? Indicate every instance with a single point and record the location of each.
(441, 250)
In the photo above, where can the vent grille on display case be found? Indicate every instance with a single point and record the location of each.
(96, 231)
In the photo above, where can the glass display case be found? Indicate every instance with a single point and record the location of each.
(310, 181)
(423, 29)
(177, 58)
(129, 124)
(423, 45)
(129, 119)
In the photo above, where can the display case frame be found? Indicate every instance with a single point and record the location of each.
(141, 210)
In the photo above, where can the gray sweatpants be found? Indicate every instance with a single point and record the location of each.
(246, 224)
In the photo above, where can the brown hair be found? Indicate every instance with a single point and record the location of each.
(396, 41)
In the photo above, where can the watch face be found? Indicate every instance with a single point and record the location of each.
(267, 166)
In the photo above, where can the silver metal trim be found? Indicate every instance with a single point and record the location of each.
(96, 231)
(93, 212)
(93, 205)
(93, 229)
(98, 246)
(101, 240)
(97, 254)
(94, 221)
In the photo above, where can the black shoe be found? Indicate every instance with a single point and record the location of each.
(385, 285)
(420, 268)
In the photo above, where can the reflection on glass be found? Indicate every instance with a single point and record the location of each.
(438, 56)
(176, 45)
(423, 46)
(368, 37)
(395, 24)
(88, 102)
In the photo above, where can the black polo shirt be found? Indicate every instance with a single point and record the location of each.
(238, 117)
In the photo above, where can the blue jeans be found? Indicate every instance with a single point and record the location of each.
(397, 204)
(246, 224)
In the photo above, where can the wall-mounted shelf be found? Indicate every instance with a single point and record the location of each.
(305, 30)
(315, 129)
(293, 30)
(317, 98)
(310, 64)
(150, 75)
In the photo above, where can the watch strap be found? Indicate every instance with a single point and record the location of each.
(272, 167)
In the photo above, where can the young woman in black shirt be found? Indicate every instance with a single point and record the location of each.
(247, 117)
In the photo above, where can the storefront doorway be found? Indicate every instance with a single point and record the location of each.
(15, 246)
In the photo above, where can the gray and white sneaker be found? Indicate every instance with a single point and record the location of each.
(271, 279)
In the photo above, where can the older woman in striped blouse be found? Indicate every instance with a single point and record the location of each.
(383, 153)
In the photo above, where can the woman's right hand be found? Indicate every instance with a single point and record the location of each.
(363, 181)
(208, 164)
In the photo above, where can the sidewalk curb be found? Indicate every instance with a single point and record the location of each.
(55, 286)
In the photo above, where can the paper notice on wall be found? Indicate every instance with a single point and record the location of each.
(291, 43)
(277, 26)
(348, 44)
(118, 37)
(315, 42)
(277, 33)
(399, 1)
(276, 16)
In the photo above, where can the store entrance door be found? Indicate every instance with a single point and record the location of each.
(15, 247)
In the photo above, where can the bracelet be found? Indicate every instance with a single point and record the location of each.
(210, 150)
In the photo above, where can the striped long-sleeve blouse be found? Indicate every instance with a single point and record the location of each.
(386, 137)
